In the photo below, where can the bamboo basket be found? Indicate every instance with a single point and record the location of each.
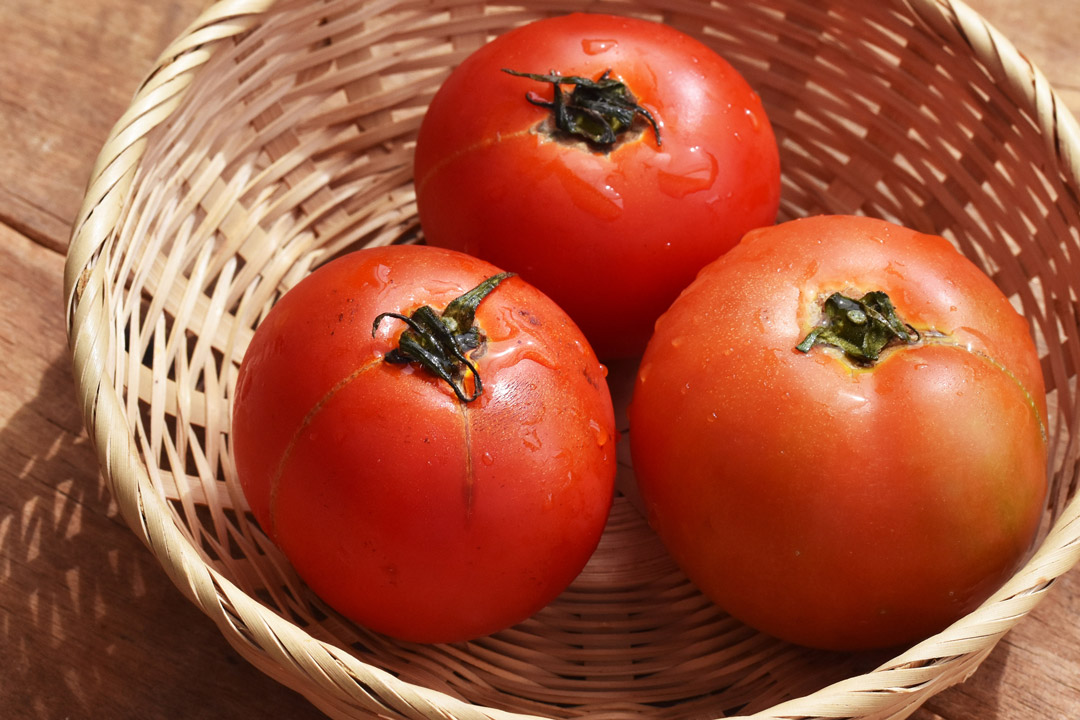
(270, 137)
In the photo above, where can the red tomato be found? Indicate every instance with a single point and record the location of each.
(414, 512)
(612, 233)
(836, 502)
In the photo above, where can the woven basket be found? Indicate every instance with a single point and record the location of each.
(271, 137)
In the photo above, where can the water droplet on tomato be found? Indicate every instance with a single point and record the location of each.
(596, 46)
(531, 440)
(851, 400)
(516, 335)
(588, 183)
(686, 172)
(602, 436)
(893, 268)
(755, 122)
(379, 277)
(487, 459)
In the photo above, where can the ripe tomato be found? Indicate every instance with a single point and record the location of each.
(831, 501)
(611, 232)
(416, 512)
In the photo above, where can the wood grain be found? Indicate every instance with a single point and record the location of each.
(68, 69)
(90, 626)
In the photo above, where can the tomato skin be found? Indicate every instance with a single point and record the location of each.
(406, 510)
(611, 237)
(830, 505)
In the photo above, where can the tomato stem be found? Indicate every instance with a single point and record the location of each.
(596, 110)
(438, 342)
(861, 328)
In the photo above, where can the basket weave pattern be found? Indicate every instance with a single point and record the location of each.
(271, 137)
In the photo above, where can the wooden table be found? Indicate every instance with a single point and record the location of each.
(89, 624)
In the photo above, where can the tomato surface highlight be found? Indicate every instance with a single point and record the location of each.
(827, 499)
(612, 233)
(403, 502)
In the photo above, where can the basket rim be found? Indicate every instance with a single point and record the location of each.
(252, 628)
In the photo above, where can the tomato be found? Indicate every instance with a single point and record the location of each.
(428, 507)
(817, 493)
(610, 231)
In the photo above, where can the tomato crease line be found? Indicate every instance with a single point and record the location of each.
(275, 481)
(995, 363)
(470, 477)
(486, 142)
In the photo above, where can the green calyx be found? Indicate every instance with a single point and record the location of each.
(861, 328)
(597, 111)
(438, 342)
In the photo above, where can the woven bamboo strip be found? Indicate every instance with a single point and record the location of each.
(271, 137)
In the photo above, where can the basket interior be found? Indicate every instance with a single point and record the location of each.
(294, 144)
